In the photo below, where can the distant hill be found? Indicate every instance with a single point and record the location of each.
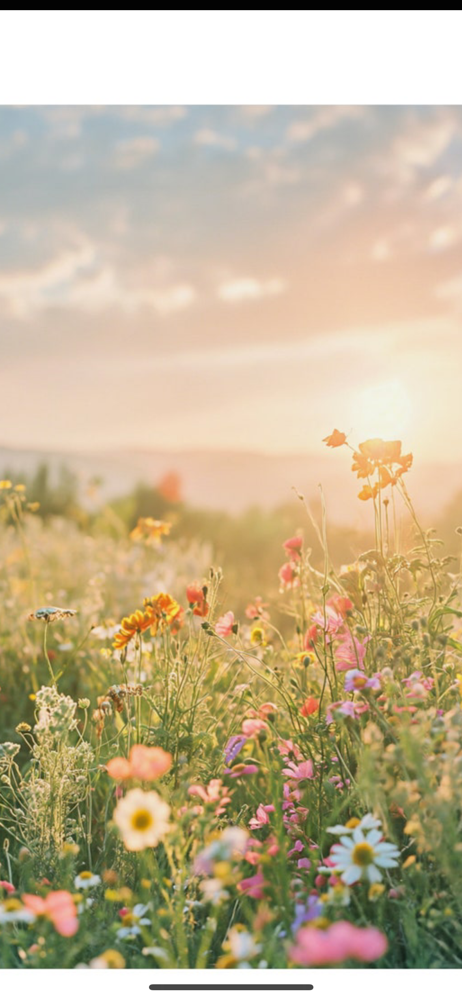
(232, 481)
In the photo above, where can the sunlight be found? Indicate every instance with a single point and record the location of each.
(382, 410)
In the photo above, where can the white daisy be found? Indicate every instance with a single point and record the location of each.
(12, 910)
(368, 822)
(133, 921)
(360, 855)
(85, 880)
(142, 818)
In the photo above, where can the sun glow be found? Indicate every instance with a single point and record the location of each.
(382, 410)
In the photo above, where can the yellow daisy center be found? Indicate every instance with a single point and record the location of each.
(363, 854)
(85, 875)
(141, 819)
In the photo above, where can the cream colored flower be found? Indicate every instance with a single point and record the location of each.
(142, 819)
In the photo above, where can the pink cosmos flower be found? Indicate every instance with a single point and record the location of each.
(350, 654)
(300, 771)
(224, 625)
(215, 792)
(59, 907)
(253, 886)
(356, 680)
(353, 709)
(251, 727)
(261, 817)
(330, 623)
(293, 546)
(268, 708)
(340, 942)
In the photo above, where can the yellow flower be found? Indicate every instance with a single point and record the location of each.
(150, 530)
(375, 890)
(138, 622)
(109, 959)
(459, 678)
(258, 636)
(5, 484)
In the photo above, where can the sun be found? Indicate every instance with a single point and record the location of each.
(382, 410)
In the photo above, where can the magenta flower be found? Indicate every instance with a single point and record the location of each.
(350, 654)
(253, 886)
(225, 625)
(340, 942)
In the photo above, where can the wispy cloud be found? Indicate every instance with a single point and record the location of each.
(250, 289)
(131, 153)
(208, 137)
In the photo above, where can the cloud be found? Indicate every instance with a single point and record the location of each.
(422, 143)
(208, 137)
(131, 153)
(322, 119)
(250, 289)
(160, 116)
(76, 279)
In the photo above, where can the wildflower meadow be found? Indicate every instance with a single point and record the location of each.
(184, 785)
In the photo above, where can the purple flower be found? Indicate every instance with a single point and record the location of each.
(234, 747)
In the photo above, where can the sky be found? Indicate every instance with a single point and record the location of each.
(230, 277)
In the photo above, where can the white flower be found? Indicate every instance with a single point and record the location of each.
(358, 855)
(86, 880)
(12, 910)
(133, 921)
(142, 818)
(214, 891)
(368, 822)
(241, 945)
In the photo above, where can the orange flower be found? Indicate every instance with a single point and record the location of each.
(405, 462)
(163, 610)
(149, 530)
(144, 763)
(361, 465)
(310, 706)
(335, 439)
(138, 622)
(368, 493)
(381, 452)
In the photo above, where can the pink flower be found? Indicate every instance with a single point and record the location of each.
(257, 610)
(350, 654)
(288, 576)
(299, 772)
(59, 907)
(251, 727)
(356, 680)
(293, 547)
(239, 770)
(261, 817)
(215, 792)
(330, 623)
(353, 709)
(340, 604)
(253, 886)
(224, 626)
(8, 887)
(340, 942)
(144, 763)
(268, 708)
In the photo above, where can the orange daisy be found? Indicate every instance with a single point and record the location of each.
(133, 625)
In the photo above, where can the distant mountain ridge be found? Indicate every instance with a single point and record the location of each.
(233, 481)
